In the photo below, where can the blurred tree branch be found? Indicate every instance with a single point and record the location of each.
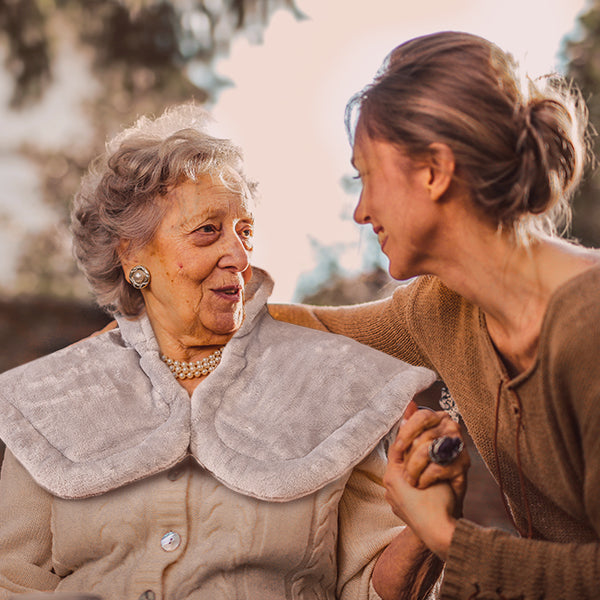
(27, 58)
(144, 54)
(583, 67)
(151, 34)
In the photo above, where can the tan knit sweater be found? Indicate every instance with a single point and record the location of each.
(548, 420)
(230, 546)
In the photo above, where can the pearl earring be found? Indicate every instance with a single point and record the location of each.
(139, 277)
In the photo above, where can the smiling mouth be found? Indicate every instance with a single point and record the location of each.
(232, 292)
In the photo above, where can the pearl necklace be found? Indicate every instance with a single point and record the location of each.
(189, 370)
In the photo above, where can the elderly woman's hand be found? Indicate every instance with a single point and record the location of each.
(411, 449)
(428, 512)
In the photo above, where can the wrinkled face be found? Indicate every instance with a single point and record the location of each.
(395, 201)
(199, 261)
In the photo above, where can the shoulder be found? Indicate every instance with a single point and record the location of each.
(72, 418)
(569, 346)
(290, 409)
(440, 320)
(572, 321)
(334, 362)
(69, 362)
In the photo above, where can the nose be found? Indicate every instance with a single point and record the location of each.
(235, 256)
(360, 212)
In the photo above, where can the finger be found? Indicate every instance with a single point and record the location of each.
(421, 471)
(403, 447)
(415, 463)
(459, 487)
(454, 473)
(446, 427)
(419, 422)
(409, 412)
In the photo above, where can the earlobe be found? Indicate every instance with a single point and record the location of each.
(441, 170)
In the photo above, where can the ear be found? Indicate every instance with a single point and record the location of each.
(441, 170)
(126, 260)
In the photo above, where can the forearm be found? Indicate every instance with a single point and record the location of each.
(406, 569)
(489, 559)
(382, 324)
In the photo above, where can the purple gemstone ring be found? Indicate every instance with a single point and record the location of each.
(443, 450)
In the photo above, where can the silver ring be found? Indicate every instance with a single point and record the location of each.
(443, 450)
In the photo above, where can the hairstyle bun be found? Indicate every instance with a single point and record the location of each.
(520, 145)
(550, 146)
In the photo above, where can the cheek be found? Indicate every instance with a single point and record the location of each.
(191, 269)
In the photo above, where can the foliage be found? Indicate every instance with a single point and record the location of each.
(145, 54)
(583, 58)
(352, 289)
(159, 35)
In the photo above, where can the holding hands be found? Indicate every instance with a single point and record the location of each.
(426, 476)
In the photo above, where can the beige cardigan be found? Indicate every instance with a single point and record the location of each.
(265, 484)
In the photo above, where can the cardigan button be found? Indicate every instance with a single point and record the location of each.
(170, 541)
(147, 595)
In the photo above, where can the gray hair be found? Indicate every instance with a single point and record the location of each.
(121, 196)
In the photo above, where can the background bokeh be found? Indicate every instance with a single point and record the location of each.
(277, 75)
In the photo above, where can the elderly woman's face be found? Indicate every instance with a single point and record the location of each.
(199, 262)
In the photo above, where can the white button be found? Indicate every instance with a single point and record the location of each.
(170, 541)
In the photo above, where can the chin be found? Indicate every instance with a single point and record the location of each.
(400, 274)
(226, 324)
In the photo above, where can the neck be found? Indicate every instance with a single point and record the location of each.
(511, 283)
(191, 364)
(180, 339)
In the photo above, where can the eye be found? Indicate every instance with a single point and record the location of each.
(246, 233)
(206, 229)
(205, 234)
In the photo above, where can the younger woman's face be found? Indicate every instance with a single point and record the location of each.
(395, 201)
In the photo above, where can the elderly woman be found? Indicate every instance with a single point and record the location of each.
(201, 449)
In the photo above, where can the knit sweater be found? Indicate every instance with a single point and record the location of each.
(548, 422)
(265, 483)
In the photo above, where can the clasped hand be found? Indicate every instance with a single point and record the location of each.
(428, 497)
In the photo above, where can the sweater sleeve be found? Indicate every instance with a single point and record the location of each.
(383, 325)
(367, 526)
(25, 533)
(492, 564)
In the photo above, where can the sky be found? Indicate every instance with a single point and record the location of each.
(286, 111)
(287, 107)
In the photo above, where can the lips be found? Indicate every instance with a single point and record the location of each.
(232, 293)
(380, 236)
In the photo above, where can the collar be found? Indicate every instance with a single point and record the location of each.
(287, 410)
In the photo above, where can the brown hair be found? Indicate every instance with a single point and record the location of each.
(519, 145)
(121, 196)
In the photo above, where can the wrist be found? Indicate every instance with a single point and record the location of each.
(440, 538)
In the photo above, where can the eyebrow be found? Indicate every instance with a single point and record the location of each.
(191, 222)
